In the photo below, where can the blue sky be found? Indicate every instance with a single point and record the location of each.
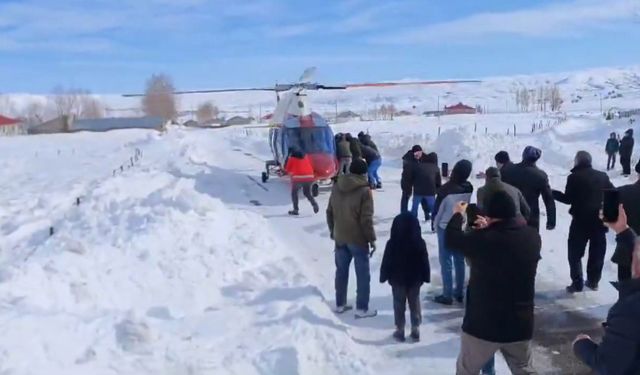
(114, 45)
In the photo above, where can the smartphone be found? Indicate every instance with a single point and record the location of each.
(445, 169)
(472, 214)
(610, 204)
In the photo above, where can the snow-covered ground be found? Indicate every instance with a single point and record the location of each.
(185, 264)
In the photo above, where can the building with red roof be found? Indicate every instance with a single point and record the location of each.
(459, 109)
(11, 126)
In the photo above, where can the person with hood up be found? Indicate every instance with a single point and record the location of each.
(584, 193)
(630, 199)
(424, 179)
(350, 222)
(612, 148)
(503, 255)
(532, 183)
(457, 189)
(626, 150)
(299, 167)
(405, 265)
(618, 353)
(354, 146)
(343, 151)
(493, 183)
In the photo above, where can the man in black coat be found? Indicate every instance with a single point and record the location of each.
(618, 353)
(626, 150)
(630, 199)
(425, 180)
(503, 162)
(405, 184)
(584, 193)
(533, 183)
(503, 255)
(611, 148)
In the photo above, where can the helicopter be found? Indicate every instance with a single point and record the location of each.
(294, 125)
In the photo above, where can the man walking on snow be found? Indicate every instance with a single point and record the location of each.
(584, 194)
(424, 178)
(350, 222)
(533, 183)
(612, 148)
(626, 150)
(299, 167)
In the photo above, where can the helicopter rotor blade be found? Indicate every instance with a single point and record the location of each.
(307, 75)
(414, 83)
(205, 91)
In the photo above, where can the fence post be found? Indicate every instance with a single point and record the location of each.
(439, 131)
(51, 231)
(475, 127)
(508, 131)
(514, 130)
(78, 201)
(486, 130)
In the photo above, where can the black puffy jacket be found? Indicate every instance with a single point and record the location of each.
(533, 183)
(407, 165)
(626, 146)
(369, 153)
(503, 259)
(405, 261)
(424, 176)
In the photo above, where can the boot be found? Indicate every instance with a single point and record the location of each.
(574, 288)
(592, 285)
(294, 213)
(399, 335)
(316, 209)
(443, 300)
(415, 334)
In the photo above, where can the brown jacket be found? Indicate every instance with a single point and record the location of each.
(350, 212)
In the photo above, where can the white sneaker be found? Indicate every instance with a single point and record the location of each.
(365, 313)
(343, 309)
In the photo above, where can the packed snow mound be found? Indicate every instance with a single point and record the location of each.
(149, 275)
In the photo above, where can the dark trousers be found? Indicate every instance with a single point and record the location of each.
(404, 201)
(624, 273)
(306, 190)
(579, 235)
(625, 160)
(401, 296)
(611, 161)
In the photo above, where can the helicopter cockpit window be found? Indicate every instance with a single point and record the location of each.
(311, 140)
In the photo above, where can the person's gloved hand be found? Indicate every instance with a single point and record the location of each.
(372, 248)
(551, 226)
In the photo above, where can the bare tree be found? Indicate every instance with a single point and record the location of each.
(35, 112)
(555, 98)
(159, 99)
(7, 106)
(206, 112)
(66, 101)
(91, 107)
(392, 111)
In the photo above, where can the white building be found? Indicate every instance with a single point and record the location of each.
(11, 126)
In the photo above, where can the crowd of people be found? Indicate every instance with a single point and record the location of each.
(498, 239)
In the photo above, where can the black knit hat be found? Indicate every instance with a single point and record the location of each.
(502, 157)
(416, 148)
(531, 154)
(501, 206)
(358, 166)
(461, 171)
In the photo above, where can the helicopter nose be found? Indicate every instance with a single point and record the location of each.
(324, 165)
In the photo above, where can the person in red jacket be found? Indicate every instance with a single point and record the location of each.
(299, 167)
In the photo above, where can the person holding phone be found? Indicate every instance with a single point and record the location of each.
(630, 199)
(583, 192)
(503, 254)
(618, 352)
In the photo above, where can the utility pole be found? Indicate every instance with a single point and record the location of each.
(336, 118)
(600, 95)
(438, 109)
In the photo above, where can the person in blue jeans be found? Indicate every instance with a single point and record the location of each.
(374, 178)
(350, 222)
(457, 189)
(423, 176)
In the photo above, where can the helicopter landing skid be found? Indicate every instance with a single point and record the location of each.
(272, 168)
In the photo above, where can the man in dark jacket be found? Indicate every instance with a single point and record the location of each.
(425, 179)
(612, 148)
(618, 353)
(405, 184)
(533, 183)
(350, 222)
(503, 162)
(343, 151)
(503, 255)
(626, 150)
(493, 183)
(630, 199)
(354, 146)
(374, 161)
(584, 193)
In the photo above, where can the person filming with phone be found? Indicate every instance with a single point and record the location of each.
(503, 254)
(584, 192)
(618, 352)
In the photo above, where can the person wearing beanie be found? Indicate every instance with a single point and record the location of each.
(630, 199)
(493, 184)
(350, 223)
(500, 300)
(457, 189)
(618, 353)
(532, 183)
(626, 150)
(611, 148)
(584, 194)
